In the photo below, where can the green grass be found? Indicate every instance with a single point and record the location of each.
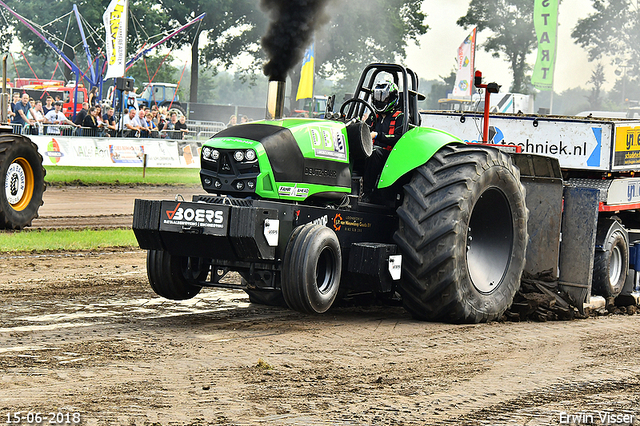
(64, 240)
(61, 175)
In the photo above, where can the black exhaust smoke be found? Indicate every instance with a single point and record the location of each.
(293, 23)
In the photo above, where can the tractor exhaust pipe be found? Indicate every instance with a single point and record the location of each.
(275, 100)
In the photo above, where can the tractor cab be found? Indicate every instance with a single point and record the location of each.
(360, 105)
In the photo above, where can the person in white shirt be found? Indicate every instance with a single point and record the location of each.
(55, 118)
(129, 124)
(37, 115)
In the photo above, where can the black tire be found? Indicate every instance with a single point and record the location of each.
(611, 260)
(311, 269)
(463, 234)
(175, 277)
(360, 143)
(264, 297)
(22, 180)
(175, 106)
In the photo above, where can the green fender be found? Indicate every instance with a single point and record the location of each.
(413, 149)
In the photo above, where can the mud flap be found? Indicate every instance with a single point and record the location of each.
(579, 227)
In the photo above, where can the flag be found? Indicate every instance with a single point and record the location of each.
(545, 20)
(466, 65)
(305, 87)
(115, 24)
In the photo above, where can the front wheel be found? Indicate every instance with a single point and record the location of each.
(311, 269)
(463, 233)
(175, 277)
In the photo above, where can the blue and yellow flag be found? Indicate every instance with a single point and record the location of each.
(305, 87)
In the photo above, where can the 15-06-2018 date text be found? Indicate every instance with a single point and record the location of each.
(38, 418)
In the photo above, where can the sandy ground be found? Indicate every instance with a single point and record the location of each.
(83, 333)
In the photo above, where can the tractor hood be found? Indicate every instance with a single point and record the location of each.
(294, 158)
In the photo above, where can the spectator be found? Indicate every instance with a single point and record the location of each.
(81, 114)
(142, 122)
(93, 96)
(129, 124)
(153, 128)
(56, 117)
(21, 109)
(16, 99)
(181, 126)
(48, 106)
(37, 115)
(244, 119)
(91, 126)
(233, 120)
(170, 126)
(109, 121)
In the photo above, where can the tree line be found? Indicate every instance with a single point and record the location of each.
(358, 32)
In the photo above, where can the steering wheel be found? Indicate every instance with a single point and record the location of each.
(357, 101)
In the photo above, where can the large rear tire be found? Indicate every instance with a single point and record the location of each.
(21, 180)
(175, 277)
(611, 261)
(463, 233)
(311, 269)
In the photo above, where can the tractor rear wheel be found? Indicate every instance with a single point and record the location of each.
(311, 269)
(22, 180)
(175, 277)
(463, 234)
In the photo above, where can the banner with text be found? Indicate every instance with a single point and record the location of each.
(545, 20)
(115, 25)
(117, 152)
(466, 65)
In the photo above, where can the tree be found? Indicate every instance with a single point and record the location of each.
(597, 79)
(513, 34)
(230, 27)
(612, 30)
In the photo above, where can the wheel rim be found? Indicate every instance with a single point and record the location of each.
(193, 268)
(490, 240)
(19, 183)
(325, 270)
(615, 265)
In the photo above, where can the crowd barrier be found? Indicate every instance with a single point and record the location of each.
(197, 130)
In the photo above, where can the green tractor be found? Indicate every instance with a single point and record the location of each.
(447, 232)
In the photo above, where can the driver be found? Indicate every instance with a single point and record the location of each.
(386, 128)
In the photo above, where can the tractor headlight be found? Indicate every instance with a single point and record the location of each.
(215, 154)
(238, 156)
(250, 155)
(240, 185)
(206, 153)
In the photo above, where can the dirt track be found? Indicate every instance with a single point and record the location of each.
(82, 332)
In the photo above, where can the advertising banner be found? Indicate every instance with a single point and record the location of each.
(466, 66)
(115, 24)
(545, 20)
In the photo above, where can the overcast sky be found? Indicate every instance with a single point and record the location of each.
(436, 55)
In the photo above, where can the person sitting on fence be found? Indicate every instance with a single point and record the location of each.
(55, 117)
(181, 127)
(129, 124)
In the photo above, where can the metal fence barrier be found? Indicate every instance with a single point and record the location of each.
(197, 130)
